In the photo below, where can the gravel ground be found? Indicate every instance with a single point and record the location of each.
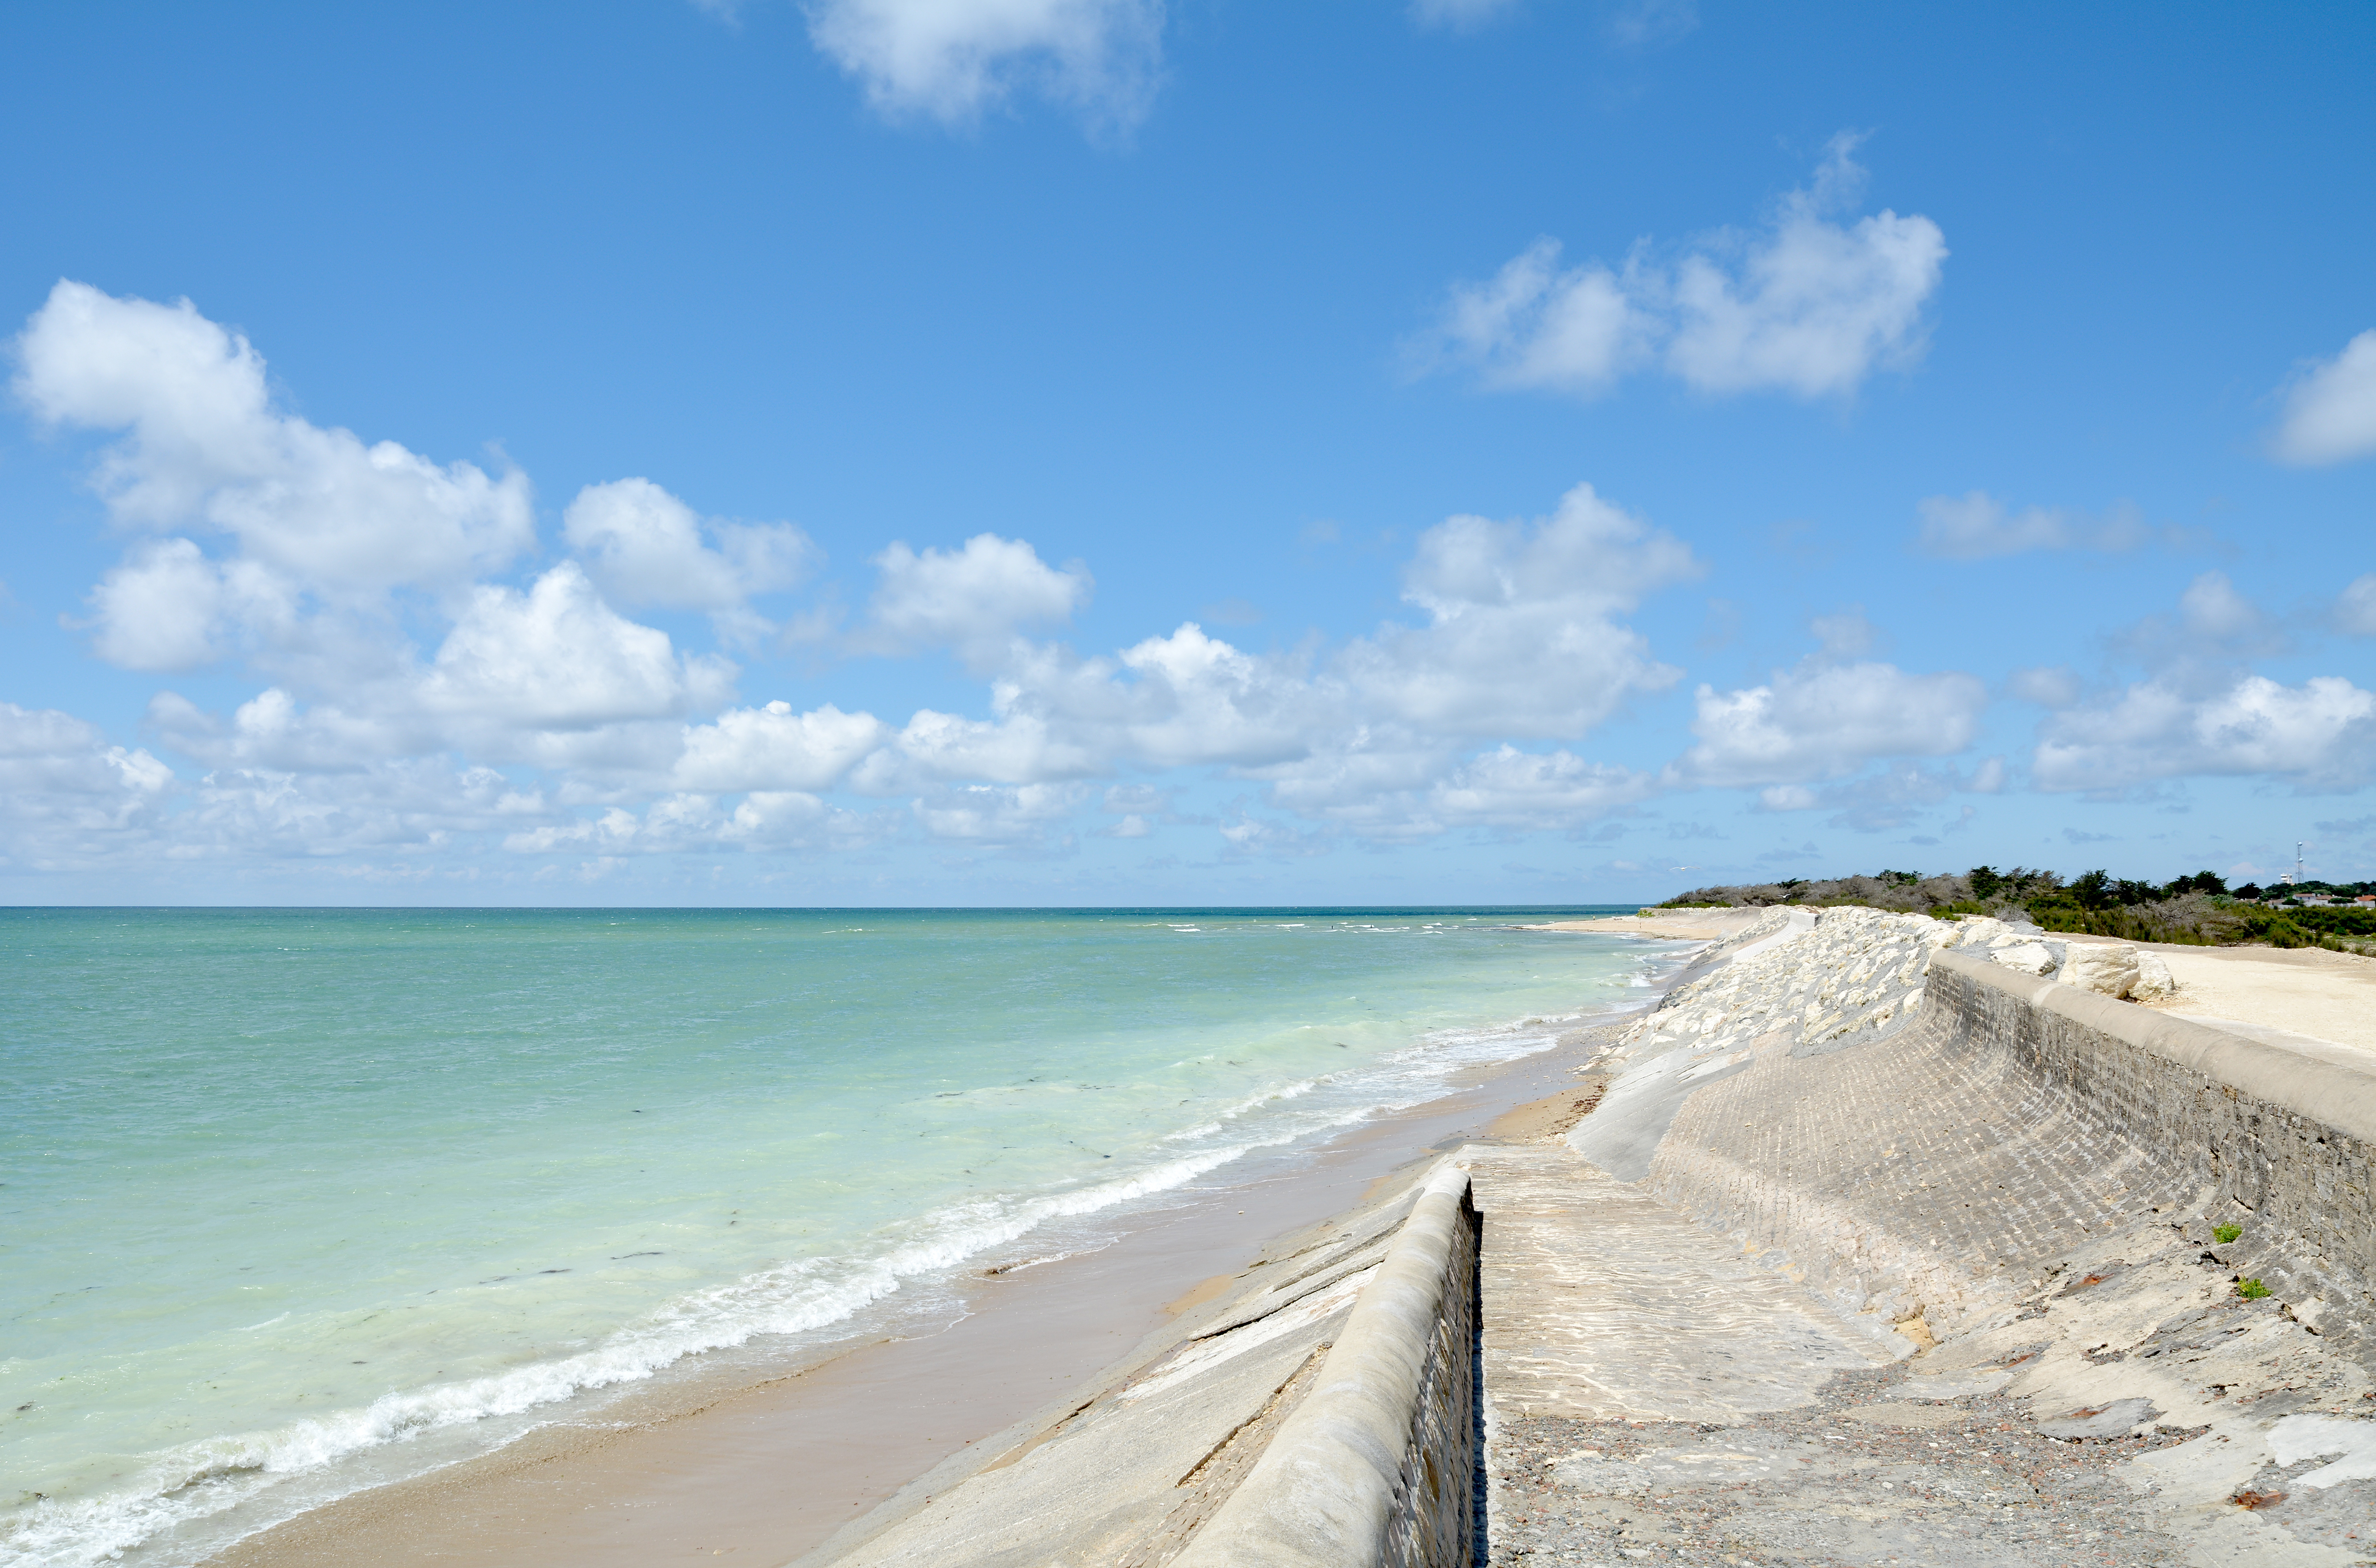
(1864, 1476)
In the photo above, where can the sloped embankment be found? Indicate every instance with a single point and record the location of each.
(2024, 1186)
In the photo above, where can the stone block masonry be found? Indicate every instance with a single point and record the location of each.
(2283, 1134)
(1927, 1175)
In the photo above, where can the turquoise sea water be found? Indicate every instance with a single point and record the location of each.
(294, 1201)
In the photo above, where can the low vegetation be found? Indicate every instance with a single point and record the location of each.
(2200, 911)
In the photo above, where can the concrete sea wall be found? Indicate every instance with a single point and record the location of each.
(2285, 1133)
(1885, 1110)
(1918, 1156)
(1379, 1463)
(1930, 1173)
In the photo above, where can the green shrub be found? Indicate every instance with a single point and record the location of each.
(2226, 1233)
(2251, 1289)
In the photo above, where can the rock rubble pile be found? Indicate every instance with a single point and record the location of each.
(1828, 977)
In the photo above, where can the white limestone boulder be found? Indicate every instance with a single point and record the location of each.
(2108, 969)
(2029, 958)
(2155, 983)
(1976, 931)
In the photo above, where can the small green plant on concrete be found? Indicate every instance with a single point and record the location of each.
(2226, 1233)
(2251, 1289)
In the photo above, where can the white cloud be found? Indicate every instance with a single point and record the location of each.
(205, 450)
(158, 610)
(557, 658)
(1017, 748)
(1811, 306)
(1507, 788)
(2214, 623)
(1536, 327)
(1199, 699)
(2320, 733)
(1521, 639)
(979, 813)
(1976, 527)
(762, 820)
(1826, 720)
(2331, 411)
(973, 601)
(644, 546)
(950, 60)
(774, 748)
(66, 796)
(272, 732)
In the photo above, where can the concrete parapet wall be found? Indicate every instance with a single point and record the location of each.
(1378, 1464)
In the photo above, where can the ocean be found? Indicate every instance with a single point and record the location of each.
(300, 1201)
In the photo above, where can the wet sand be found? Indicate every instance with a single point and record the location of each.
(719, 1464)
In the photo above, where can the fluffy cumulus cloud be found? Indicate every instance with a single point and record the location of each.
(558, 657)
(2330, 413)
(1521, 636)
(303, 519)
(950, 60)
(2201, 710)
(1826, 720)
(202, 449)
(1811, 305)
(2322, 734)
(974, 599)
(643, 546)
(774, 748)
(1518, 633)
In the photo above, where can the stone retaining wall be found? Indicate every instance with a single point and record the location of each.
(1434, 1517)
(2287, 1135)
(1932, 1173)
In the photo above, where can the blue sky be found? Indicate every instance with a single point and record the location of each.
(1097, 451)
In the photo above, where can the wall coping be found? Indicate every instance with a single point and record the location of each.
(2337, 1092)
(1319, 1495)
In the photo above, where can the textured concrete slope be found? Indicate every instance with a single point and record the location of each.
(1601, 1301)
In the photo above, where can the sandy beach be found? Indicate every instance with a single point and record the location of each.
(2306, 990)
(724, 1461)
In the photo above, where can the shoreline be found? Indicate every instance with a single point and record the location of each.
(770, 1463)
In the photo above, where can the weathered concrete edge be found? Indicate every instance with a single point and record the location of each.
(2337, 1094)
(1321, 1494)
